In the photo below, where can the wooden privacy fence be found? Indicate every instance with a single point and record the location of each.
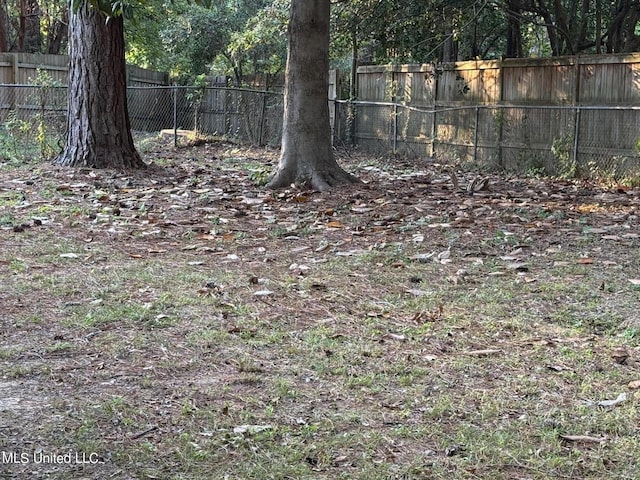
(28, 92)
(562, 115)
(22, 69)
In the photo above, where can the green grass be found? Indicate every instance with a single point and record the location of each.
(153, 351)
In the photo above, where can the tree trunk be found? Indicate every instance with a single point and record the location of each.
(98, 128)
(58, 32)
(29, 33)
(306, 152)
(551, 28)
(514, 30)
(4, 28)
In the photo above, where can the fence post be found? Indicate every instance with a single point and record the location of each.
(351, 121)
(434, 129)
(175, 115)
(475, 136)
(576, 138)
(15, 69)
(336, 134)
(395, 127)
(263, 110)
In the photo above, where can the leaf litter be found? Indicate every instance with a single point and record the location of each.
(408, 290)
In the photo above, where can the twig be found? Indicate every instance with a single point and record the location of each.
(144, 432)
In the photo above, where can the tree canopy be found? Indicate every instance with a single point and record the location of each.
(245, 39)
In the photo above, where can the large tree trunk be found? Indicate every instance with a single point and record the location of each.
(307, 156)
(98, 129)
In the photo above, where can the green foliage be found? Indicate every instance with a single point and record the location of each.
(14, 139)
(562, 149)
(185, 37)
(259, 48)
(20, 130)
(43, 123)
(193, 39)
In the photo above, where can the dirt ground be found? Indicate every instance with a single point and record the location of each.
(184, 322)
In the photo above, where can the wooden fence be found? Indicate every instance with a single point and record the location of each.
(504, 112)
(19, 72)
(587, 80)
(22, 69)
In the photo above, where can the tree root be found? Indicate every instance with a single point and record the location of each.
(320, 181)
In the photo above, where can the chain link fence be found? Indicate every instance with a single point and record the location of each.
(248, 116)
(600, 142)
(566, 141)
(33, 118)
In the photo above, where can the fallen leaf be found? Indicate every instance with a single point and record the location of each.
(396, 336)
(608, 403)
(416, 292)
(263, 293)
(585, 261)
(634, 385)
(634, 281)
(251, 428)
(483, 353)
(334, 224)
(422, 257)
(518, 267)
(583, 438)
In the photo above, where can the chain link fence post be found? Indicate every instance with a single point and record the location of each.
(175, 115)
(576, 137)
(475, 135)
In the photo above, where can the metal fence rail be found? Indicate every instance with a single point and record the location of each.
(585, 141)
(569, 141)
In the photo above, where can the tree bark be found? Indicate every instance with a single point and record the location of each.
(4, 28)
(306, 153)
(98, 128)
(58, 32)
(514, 30)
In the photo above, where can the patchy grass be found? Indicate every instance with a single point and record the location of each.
(183, 323)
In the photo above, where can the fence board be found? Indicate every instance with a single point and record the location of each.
(22, 68)
(590, 79)
(502, 112)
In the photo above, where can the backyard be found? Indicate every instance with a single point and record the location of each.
(183, 322)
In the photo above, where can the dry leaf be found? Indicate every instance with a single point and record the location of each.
(608, 403)
(483, 353)
(422, 257)
(241, 429)
(634, 385)
(396, 336)
(334, 224)
(518, 267)
(263, 293)
(416, 292)
(583, 438)
(634, 281)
